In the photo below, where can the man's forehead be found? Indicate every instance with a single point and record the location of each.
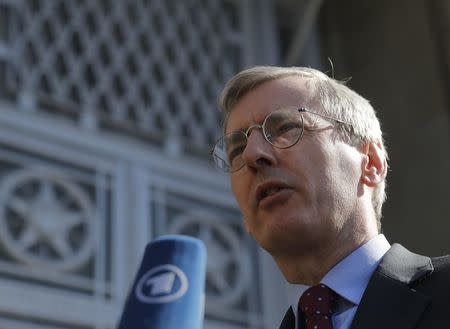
(272, 95)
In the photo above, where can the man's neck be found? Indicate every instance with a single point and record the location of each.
(310, 268)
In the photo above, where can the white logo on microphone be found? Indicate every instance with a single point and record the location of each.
(162, 284)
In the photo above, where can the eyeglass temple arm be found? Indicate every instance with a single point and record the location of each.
(302, 109)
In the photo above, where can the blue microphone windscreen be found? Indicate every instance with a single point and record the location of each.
(168, 292)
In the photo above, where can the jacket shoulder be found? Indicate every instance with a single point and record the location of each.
(441, 263)
(438, 281)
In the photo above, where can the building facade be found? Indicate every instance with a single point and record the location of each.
(108, 109)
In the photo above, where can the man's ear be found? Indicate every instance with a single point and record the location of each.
(374, 168)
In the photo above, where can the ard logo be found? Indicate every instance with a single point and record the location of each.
(162, 284)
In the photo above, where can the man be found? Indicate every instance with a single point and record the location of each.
(307, 166)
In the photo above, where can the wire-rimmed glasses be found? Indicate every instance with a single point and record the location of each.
(282, 129)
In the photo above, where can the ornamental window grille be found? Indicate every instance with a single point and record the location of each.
(68, 230)
(55, 240)
(151, 69)
(146, 69)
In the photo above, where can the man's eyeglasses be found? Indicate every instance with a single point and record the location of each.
(282, 129)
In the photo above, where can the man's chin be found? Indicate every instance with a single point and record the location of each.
(274, 242)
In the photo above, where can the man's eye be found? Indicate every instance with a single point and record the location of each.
(234, 152)
(285, 127)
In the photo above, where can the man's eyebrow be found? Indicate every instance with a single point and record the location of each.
(227, 130)
(240, 128)
(236, 129)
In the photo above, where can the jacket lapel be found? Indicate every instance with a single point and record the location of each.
(288, 320)
(389, 301)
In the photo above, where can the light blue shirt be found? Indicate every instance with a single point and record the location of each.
(349, 278)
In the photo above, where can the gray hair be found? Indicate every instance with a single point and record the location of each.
(331, 97)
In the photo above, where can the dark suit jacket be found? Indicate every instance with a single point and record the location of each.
(406, 291)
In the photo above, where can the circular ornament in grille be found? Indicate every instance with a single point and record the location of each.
(227, 268)
(45, 220)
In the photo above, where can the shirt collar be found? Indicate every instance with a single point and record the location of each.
(350, 277)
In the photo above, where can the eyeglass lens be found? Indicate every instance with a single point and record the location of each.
(282, 129)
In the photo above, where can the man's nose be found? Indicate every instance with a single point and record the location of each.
(258, 152)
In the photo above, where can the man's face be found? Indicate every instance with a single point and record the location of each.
(297, 199)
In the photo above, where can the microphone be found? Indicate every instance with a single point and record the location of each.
(168, 291)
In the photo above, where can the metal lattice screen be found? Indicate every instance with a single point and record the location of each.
(147, 68)
(55, 252)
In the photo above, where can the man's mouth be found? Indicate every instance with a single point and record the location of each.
(269, 189)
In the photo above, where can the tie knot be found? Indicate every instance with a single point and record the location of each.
(318, 301)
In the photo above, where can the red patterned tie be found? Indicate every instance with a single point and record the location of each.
(317, 306)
